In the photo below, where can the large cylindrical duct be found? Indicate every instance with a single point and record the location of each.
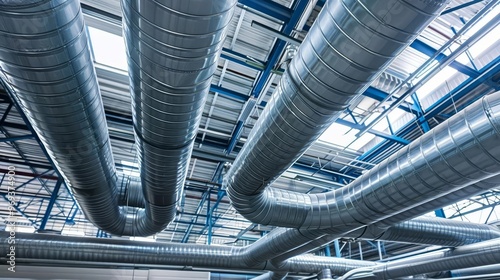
(349, 45)
(422, 230)
(460, 151)
(36, 248)
(47, 64)
(173, 49)
(39, 248)
(478, 254)
(477, 271)
(462, 233)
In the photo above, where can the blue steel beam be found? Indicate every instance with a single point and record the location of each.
(37, 176)
(5, 114)
(16, 138)
(380, 96)
(197, 212)
(242, 59)
(52, 201)
(229, 93)
(386, 136)
(425, 125)
(30, 128)
(327, 251)
(486, 73)
(430, 51)
(269, 8)
(274, 57)
(220, 195)
(461, 6)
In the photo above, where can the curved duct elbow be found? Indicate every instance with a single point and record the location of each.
(347, 48)
(46, 62)
(173, 48)
(433, 231)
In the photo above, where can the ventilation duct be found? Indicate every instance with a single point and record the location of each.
(422, 230)
(51, 248)
(173, 49)
(477, 271)
(345, 50)
(478, 254)
(46, 62)
(430, 234)
(456, 153)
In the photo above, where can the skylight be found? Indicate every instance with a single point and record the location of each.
(130, 168)
(344, 136)
(108, 48)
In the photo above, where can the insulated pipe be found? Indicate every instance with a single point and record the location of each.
(421, 230)
(173, 48)
(441, 236)
(478, 254)
(50, 248)
(326, 274)
(347, 48)
(46, 62)
(40, 248)
(458, 152)
(487, 269)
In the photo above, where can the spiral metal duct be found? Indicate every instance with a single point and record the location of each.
(39, 247)
(455, 154)
(173, 49)
(449, 233)
(131, 194)
(478, 254)
(63, 248)
(421, 230)
(46, 61)
(346, 49)
(487, 269)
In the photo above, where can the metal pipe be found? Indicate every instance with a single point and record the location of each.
(173, 49)
(478, 254)
(46, 60)
(421, 230)
(477, 271)
(455, 154)
(326, 274)
(442, 64)
(347, 48)
(48, 248)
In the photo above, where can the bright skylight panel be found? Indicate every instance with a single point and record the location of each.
(338, 134)
(482, 22)
(484, 43)
(109, 49)
(362, 141)
(129, 170)
(435, 82)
